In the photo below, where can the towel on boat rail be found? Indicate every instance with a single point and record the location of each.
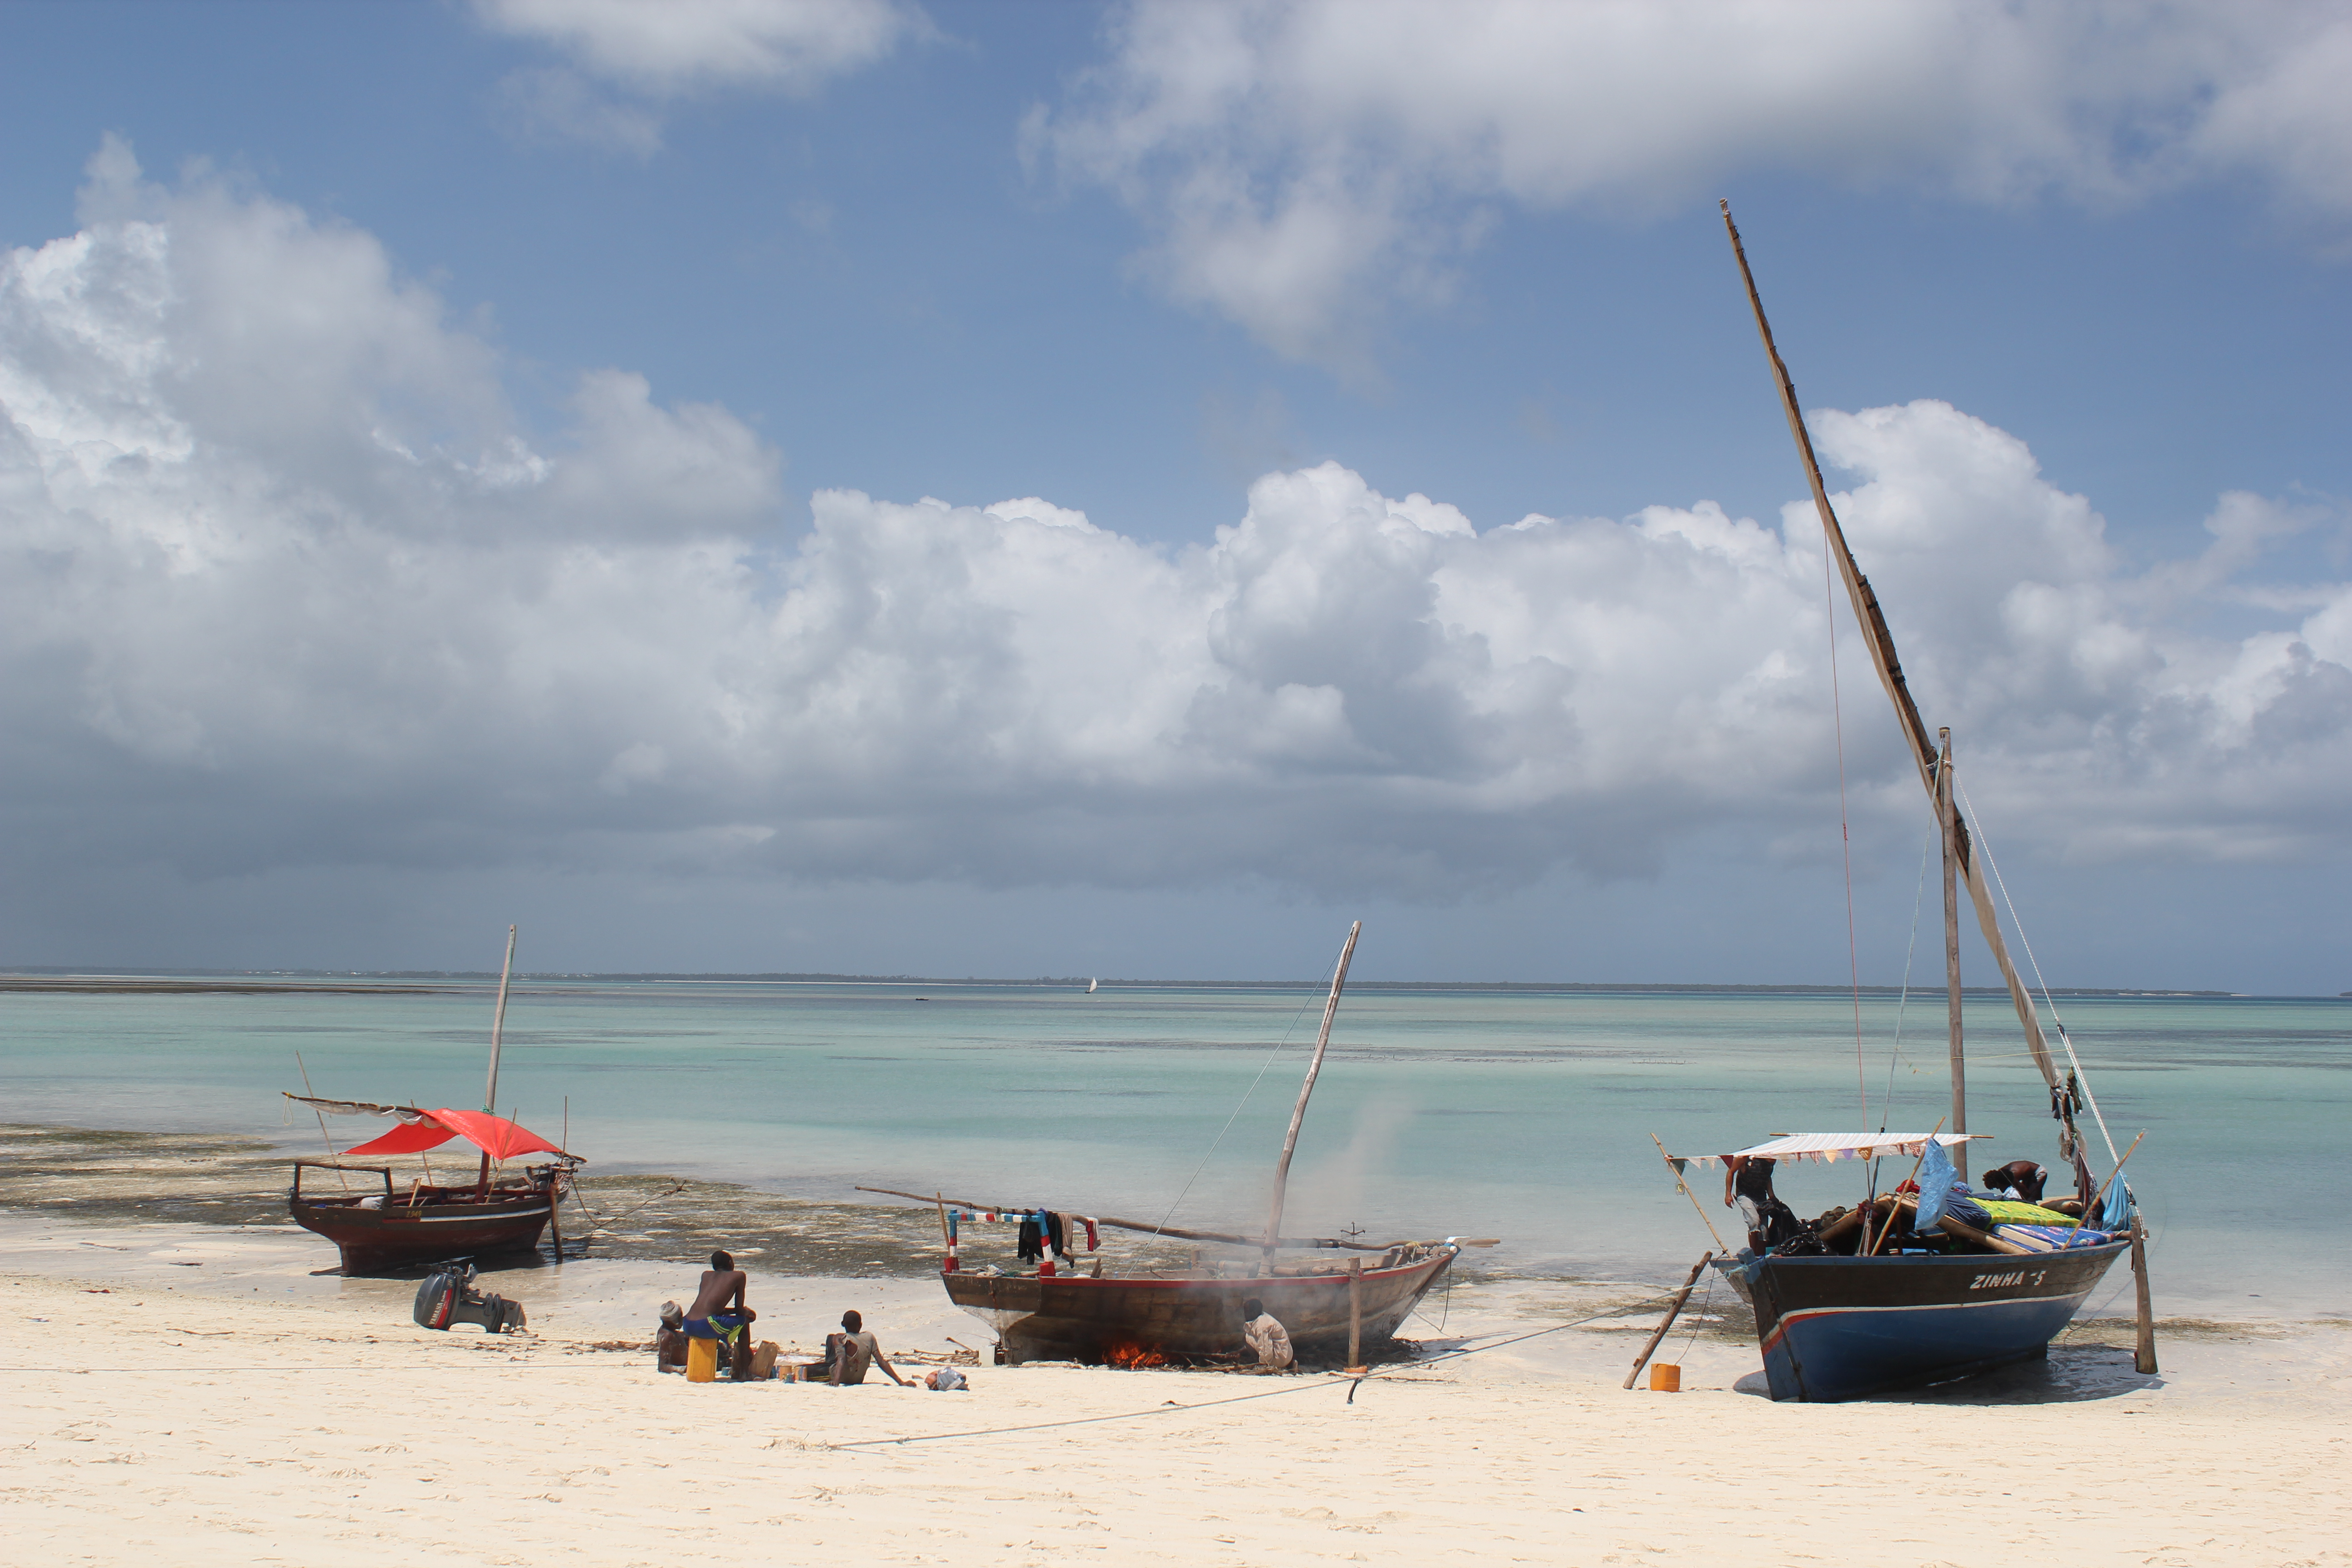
(2048, 1238)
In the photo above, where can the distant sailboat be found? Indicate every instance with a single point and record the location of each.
(1090, 986)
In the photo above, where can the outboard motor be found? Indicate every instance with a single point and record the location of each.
(448, 1296)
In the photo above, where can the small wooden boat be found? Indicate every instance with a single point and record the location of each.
(1872, 1299)
(433, 1222)
(1144, 1320)
(1134, 1321)
(383, 1231)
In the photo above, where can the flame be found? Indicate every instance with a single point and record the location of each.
(1133, 1357)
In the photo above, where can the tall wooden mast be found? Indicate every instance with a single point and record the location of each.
(1298, 1111)
(1881, 644)
(1947, 821)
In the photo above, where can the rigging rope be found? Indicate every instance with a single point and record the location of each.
(1846, 836)
(2073, 1062)
(1902, 999)
(1278, 1047)
(1173, 1408)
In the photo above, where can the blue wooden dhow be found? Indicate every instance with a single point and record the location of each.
(1931, 1280)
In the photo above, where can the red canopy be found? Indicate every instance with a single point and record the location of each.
(407, 1138)
(494, 1135)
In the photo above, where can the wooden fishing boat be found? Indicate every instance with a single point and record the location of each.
(1879, 1297)
(387, 1230)
(1142, 1320)
(433, 1221)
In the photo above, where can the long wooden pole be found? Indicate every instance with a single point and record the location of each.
(1298, 1111)
(1884, 1230)
(1354, 1315)
(497, 1033)
(1881, 643)
(1684, 1187)
(1946, 818)
(2102, 1190)
(2144, 1349)
(1673, 1309)
(1327, 1242)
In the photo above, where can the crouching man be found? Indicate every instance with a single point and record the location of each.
(1268, 1339)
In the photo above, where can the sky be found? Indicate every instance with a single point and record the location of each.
(847, 486)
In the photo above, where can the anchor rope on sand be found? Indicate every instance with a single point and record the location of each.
(1353, 1383)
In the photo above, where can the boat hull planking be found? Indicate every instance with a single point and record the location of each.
(1078, 1317)
(1845, 1327)
(441, 1223)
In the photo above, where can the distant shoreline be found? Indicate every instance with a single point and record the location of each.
(58, 979)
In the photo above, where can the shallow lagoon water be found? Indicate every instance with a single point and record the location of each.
(1524, 1115)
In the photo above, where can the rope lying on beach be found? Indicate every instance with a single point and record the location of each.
(1353, 1383)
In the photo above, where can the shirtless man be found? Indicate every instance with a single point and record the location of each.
(711, 1318)
(854, 1350)
(2022, 1178)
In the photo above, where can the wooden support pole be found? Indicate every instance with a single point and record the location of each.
(1673, 1309)
(1947, 823)
(1967, 1232)
(1354, 1315)
(2144, 1351)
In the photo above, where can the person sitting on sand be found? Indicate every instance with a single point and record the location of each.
(2022, 1179)
(854, 1350)
(1267, 1339)
(669, 1340)
(722, 1282)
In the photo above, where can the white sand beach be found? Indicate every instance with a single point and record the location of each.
(193, 1395)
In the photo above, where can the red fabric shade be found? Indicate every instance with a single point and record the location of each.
(408, 1138)
(494, 1135)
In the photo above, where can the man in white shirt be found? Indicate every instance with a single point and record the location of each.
(1268, 1339)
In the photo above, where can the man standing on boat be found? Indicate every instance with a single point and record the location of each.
(1267, 1339)
(722, 1282)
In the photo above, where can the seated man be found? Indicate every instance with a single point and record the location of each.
(669, 1340)
(2021, 1178)
(854, 1350)
(1266, 1338)
(722, 1282)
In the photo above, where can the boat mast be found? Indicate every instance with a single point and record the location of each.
(498, 1026)
(1298, 1111)
(1881, 644)
(498, 1032)
(1949, 820)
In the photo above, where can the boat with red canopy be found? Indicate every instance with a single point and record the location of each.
(433, 1221)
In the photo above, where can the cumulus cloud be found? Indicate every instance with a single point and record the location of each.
(623, 58)
(283, 584)
(1302, 164)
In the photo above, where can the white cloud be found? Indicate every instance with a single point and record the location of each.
(1303, 164)
(653, 51)
(282, 584)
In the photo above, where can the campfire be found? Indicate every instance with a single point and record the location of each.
(1132, 1357)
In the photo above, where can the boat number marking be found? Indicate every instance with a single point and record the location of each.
(2002, 1281)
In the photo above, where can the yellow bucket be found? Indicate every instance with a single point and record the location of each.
(702, 1360)
(1666, 1377)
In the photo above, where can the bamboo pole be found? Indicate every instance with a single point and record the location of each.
(1946, 823)
(1298, 1111)
(330, 1143)
(1673, 1309)
(1967, 1232)
(2144, 1347)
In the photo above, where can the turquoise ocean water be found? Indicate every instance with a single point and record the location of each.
(1524, 1115)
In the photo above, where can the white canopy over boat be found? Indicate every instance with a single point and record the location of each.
(1824, 1147)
